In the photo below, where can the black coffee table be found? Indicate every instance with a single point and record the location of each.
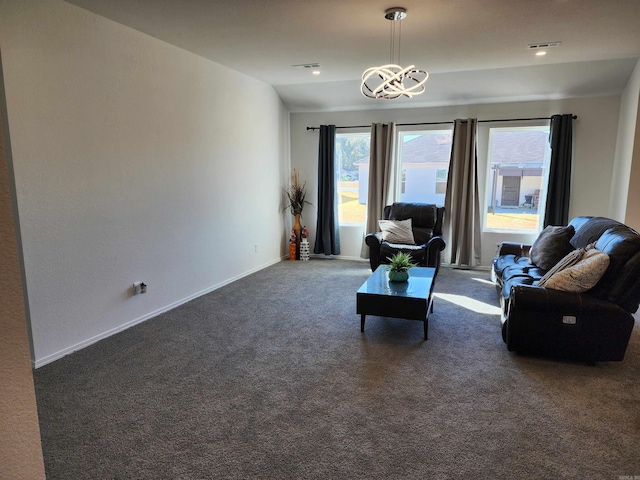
(411, 299)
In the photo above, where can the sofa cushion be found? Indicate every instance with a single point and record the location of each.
(504, 261)
(582, 276)
(397, 231)
(422, 235)
(551, 246)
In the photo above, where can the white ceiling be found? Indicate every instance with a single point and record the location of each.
(474, 50)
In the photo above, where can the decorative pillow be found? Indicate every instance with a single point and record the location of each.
(568, 261)
(551, 246)
(583, 275)
(397, 231)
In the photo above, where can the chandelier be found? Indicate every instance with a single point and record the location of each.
(392, 81)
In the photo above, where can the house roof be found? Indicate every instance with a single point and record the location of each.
(429, 148)
(525, 147)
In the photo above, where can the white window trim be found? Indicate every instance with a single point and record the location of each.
(354, 131)
(483, 147)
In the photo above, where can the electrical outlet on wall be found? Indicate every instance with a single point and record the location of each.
(256, 248)
(139, 287)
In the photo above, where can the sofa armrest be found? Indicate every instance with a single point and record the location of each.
(565, 324)
(373, 240)
(513, 248)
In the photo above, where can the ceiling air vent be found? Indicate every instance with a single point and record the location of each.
(307, 65)
(544, 45)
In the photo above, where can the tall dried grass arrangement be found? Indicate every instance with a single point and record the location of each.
(296, 194)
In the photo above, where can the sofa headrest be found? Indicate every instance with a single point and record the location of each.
(421, 215)
(426, 219)
(590, 229)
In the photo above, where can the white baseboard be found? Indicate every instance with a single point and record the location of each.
(90, 341)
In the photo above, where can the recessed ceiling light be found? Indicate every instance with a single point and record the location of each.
(316, 72)
(541, 53)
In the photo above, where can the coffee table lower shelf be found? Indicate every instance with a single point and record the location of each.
(410, 300)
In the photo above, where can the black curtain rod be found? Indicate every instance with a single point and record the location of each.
(443, 123)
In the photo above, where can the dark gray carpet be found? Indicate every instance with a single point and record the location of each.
(270, 377)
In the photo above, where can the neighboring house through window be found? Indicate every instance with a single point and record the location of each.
(516, 183)
(441, 180)
(518, 171)
(424, 157)
(423, 163)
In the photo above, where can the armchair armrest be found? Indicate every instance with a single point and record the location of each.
(373, 241)
(513, 248)
(432, 251)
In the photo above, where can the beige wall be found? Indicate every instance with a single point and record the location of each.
(624, 204)
(20, 450)
(632, 211)
(632, 216)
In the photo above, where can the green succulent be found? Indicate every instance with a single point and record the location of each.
(401, 262)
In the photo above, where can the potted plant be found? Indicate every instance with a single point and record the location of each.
(399, 266)
(296, 194)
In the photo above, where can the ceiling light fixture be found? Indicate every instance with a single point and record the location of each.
(392, 81)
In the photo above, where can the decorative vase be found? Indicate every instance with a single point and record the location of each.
(304, 250)
(398, 276)
(297, 228)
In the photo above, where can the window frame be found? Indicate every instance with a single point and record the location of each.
(484, 149)
(400, 176)
(402, 131)
(365, 132)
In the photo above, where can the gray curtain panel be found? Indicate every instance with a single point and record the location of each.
(559, 188)
(382, 177)
(462, 221)
(327, 227)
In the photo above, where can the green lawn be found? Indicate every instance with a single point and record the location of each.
(351, 211)
(513, 221)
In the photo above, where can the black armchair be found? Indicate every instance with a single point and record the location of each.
(426, 224)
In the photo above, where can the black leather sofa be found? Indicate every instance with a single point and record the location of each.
(426, 224)
(594, 325)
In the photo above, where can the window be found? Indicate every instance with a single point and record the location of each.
(424, 158)
(422, 177)
(352, 158)
(517, 174)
